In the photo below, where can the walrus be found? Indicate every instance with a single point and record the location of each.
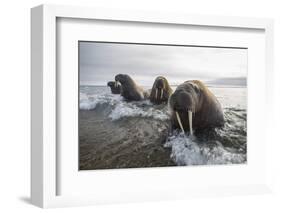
(129, 89)
(115, 87)
(161, 91)
(194, 107)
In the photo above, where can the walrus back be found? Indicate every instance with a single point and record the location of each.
(214, 110)
(132, 92)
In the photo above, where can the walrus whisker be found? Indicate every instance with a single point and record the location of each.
(161, 94)
(179, 121)
(156, 93)
(190, 121)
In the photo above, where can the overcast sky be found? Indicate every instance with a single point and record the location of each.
(100, 62)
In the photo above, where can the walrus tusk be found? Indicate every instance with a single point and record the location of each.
(190, 121)
(115, 85)
(161, 93)
(179, 121)
(156, 94)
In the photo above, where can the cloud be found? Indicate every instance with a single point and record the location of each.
(100, 62)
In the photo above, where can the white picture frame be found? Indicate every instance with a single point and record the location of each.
(44, 154)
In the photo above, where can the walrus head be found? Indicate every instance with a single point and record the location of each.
(114, 84)
(115, 87)
(111, 84)
(129, 89)
(124, 80)
(160, 91)
(185, 102)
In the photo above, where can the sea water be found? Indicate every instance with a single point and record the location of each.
(227, 145)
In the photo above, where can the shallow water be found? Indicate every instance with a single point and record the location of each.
(118, 134)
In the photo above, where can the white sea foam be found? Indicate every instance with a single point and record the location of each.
(120, 108)
(186, 151)
(89, 102)
(124, 109)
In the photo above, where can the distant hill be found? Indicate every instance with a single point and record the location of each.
(240, 81)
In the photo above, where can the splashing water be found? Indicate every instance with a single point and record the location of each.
(119, 108)
(190, 150)
(227, 145)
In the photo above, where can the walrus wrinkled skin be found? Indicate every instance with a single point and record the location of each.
(129, 89)
(115, 88)
(194, 103)
(161, 91)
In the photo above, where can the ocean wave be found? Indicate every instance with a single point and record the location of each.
(188, 150)
(131, 110)
(90, 102)
(119, 108)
